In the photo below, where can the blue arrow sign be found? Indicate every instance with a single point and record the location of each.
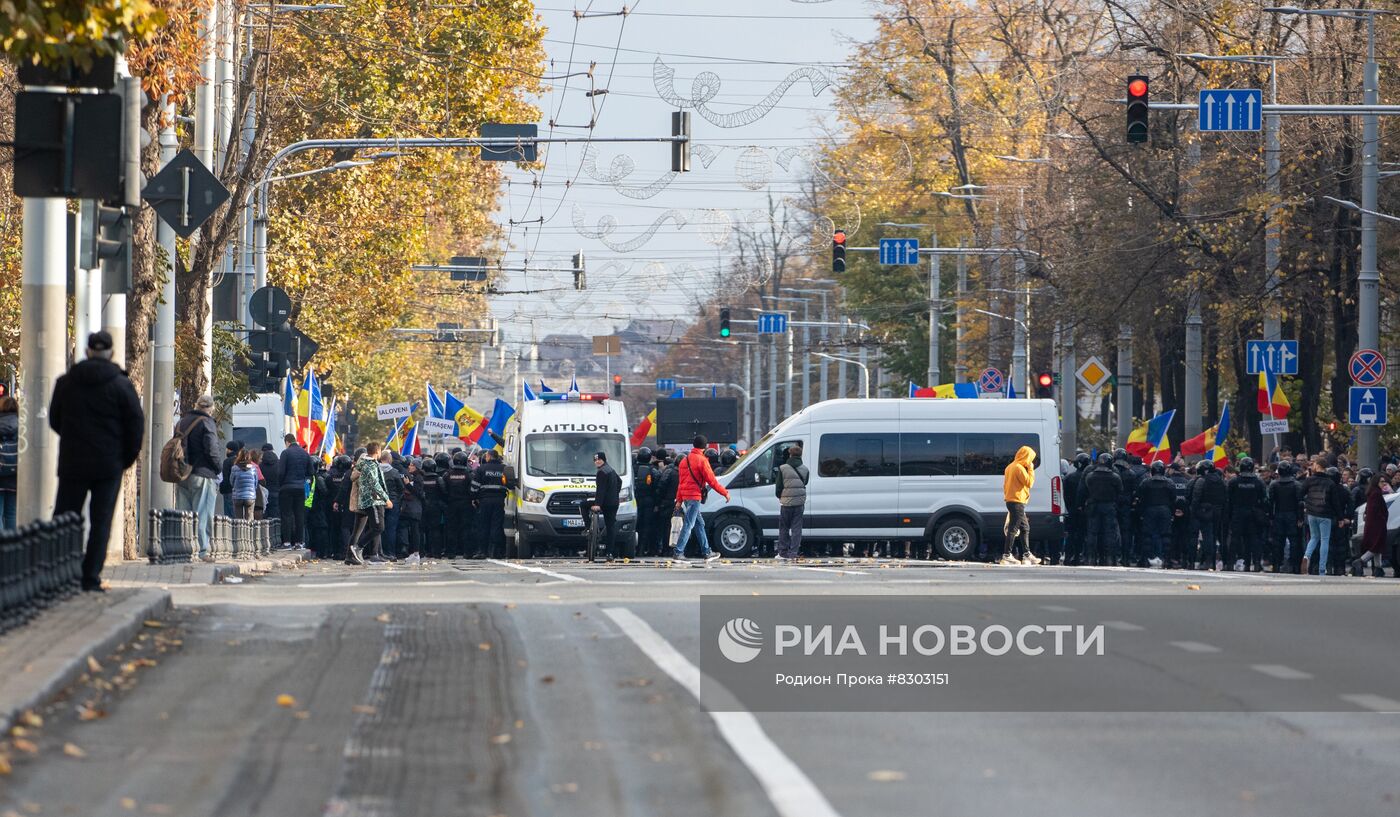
(899, 251)
(1271, 356)
(1368, 406)
(772, 323)
(665, 384)
(1229, 109)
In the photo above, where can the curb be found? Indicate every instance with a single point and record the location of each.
(289, 559)
(67, 659)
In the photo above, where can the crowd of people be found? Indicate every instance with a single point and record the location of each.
(1293, 515)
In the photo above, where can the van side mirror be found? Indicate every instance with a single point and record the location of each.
(509, 473)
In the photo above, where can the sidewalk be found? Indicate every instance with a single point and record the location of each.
(42, 657)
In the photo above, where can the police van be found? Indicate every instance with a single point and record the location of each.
(549, 444)
(895, 470)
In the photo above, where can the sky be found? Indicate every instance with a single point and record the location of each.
(606, 207)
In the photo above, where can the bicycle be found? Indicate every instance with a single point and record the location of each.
(594, 534)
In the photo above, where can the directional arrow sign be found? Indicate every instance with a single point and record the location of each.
(1368, 406)
(899, 251)
(1228, 109)
(1271, 357)
(184, 193)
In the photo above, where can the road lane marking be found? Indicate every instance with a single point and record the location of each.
(1124, 626)
(1056, 608)
(1195, 646)
(1281, 672)
(564, 577)
(792, 793)
(832, 570)
(1375, 703)
(329, 584)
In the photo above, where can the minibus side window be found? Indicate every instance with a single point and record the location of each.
(761, 468)
(928, 455)
(859, 455)
(985, 455)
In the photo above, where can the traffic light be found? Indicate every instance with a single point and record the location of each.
(617, 385)
(838, 251)
(680, 145)
(724, 321)
(1137, 108)
(580, 272)
(1045, 384)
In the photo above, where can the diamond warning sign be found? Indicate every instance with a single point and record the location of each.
(1093, 374)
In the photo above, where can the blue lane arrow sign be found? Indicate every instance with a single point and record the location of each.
(1230, 109)
(896, 252)
(1271, 357)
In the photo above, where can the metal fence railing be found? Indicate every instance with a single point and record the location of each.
(174, 539)
(40, 564)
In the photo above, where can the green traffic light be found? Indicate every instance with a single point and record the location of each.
(724, 333)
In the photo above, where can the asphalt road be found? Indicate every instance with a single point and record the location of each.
(560, 688)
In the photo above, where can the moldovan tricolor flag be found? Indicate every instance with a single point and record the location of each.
(649, 422)
(1273, 403)
(1147, 438)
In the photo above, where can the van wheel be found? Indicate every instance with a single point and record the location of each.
(627, 544)
(955, 539)
(735, 536)
(524, 549)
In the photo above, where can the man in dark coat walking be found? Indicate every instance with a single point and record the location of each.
(291, 491)
(97, 415)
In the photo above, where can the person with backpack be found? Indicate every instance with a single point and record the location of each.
(243, 479)
(100, 425)
(791, 488)
(9, 460)
(696, 478)
(292, 491)
(198, 491)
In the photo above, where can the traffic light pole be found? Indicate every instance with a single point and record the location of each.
(161, 408)
(935, 310)
(42, 351)
(1125, 382)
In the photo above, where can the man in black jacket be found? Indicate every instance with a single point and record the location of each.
(462, 541)
(411, 518)
(434, 505)
(271, 468)
(198, 492)
(97, 415)
(1074, 522)
(291, 493)
(1099, 499)
(667, 481)
(1246, 498)
(226, 485)
(1127, 531)
(1322, 509)
(1208, 498)
(489, 487)
(643, 491)
(1285, 502)
(607, 490)
(1156, 497)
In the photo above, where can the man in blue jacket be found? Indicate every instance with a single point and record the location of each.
(291, 495)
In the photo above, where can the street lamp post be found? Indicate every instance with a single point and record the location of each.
(864, 371)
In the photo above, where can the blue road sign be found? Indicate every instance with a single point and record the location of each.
(772, 323)
(990, 380)
(1367, 367)
(665, 384)
(899, 251)
(1230, 109)
(1368, 406)
(1271, 356)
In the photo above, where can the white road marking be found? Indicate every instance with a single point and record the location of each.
(1056, 608)
(793, 793)
(1195, 646)
(330, 584)
(832, 570)
(1124, 626)
(1375, 703)
(1281, 672)
(533, 569)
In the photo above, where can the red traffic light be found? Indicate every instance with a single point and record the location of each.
(617, 380)
(1045, 379)
(839, 237)
(1137, 87)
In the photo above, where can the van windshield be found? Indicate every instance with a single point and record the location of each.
(571, 455)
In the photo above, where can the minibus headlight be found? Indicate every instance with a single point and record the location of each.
(534, 495)
(625, 495)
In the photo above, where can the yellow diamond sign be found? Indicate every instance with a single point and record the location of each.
(1093, 374)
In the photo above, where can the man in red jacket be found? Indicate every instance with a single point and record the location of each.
(695, 472)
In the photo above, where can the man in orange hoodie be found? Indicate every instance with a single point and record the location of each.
(696, 477)
(1016, 490)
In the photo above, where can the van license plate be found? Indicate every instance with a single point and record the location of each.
(573, 523)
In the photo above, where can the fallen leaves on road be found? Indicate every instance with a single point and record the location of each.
(885, 776)
(5, 767)
(501, 739)
(25, 745)
(92, 664)
(484, 646)
(635, 682)
(73, 750)
(128, 803)
(31, 719)
(286, 700)
(89, 712)
(1193, 587)
(363, 709)
(430, 612)
(553, 597)
(564, 788)
(546, 679)
(510, 605)
(384, 618)
(153, 624)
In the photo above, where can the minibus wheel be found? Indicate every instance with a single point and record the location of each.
(524, 549)
(734, 535)
(956, 538)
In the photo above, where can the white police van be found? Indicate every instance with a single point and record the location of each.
(549, 445)
(898, 470)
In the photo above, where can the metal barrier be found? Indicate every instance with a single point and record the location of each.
(172, 537)
(244, 539)
(40, 564)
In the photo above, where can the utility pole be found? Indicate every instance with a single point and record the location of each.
(162, 389)
(43, 342)
(205, 124)
(1368, 276)
(773, 379)
(1125, 382)
(1273, 313)
(825, 318)
(959, 367)
(1068, 393)
(1020, 338)
(935, 310)
(1194, 368)
(748, 399)
(806, 355)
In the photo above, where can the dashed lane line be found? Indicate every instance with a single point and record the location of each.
(791, 791)
(1124, 626)
(1281, 672)
(1197, 647)
(563, 577)
(1375, 703)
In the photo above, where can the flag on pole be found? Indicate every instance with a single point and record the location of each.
(1010, 390)
(529, 395)
(501, 413)
(545, 389)
(1222, 430)
(316, 413)
(1147, 438)
(948, 391)
(404, 437)
(470, 422)
(289, 396)
(303, 410)
(437, 408)
(573, 387)
(1272, 402)
(649, 422)
(1162, 453)
(327, 449)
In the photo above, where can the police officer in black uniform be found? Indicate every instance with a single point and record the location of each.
(1246, 497)
(1181, 519)
(1099, 500)
(489, 486)
(1285, 503)
(1122, 463)
(1208, 498)
(667, 481)
(457, 491)
(643, 491)
(1154, 503)
(434, 505)
(336, 478)
(1074, 521)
